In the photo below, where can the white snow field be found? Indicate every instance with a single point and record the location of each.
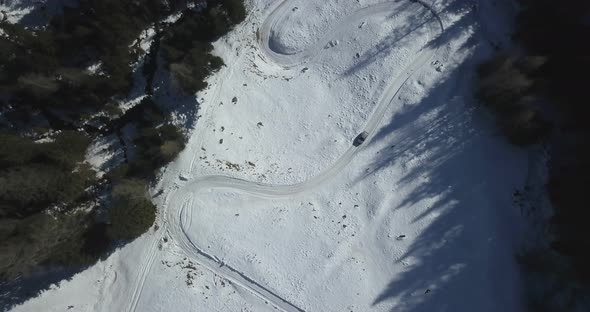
(271, 207)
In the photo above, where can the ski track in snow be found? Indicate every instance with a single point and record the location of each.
(176, 213)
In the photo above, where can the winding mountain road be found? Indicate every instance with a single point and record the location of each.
(177, 215)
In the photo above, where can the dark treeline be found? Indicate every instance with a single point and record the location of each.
(45, 69)
(187, 45)
(52, 107)
(541, 95)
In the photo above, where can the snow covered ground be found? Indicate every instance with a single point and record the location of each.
(270, 207)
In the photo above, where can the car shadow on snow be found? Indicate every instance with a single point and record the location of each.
(452, 158)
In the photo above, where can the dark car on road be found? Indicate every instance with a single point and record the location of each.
(360, 138)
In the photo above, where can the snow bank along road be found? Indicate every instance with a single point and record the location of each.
(177, 214)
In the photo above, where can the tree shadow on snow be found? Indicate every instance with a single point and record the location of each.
(25, 287)
(463, 10)
(454, 160)
(452, 172)
(456, 164)
(390, 42)
(420, 22)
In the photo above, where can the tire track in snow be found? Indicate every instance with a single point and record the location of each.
(176, 212)
(142, 275)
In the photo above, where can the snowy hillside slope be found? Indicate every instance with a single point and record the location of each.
(270, 207)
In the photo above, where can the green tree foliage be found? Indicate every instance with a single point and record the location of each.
(507, 85)
(34, 70)
(26, 52)
(36, 175)
(155, 147)
(187, 43)
(235, 9)
(501, 84)
(37, 86)
(30, 189)
(65, 150)
(44, 72)
(156, 143)
(132, 213)
(21, 151)
(557, 61)
(565, 73)
(41, 239)
(190, 73)
(568, 56)
(47, 73)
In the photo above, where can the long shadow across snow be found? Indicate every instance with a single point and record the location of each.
(416, 23)
(462, 260)
(19, 290)
(386, 45)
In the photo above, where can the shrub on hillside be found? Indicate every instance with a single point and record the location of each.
(549, 280)
(154, 150)
(65, 150)
(506, 86)
(155, 147)
(187, 43)
(38, 86)
(502, 85)
(21, 151)
(40, 239)
(132, 213)
(189, 68)
(188, 75)
(564, 75)
(567, 185)
(36, 175)
(235, 9)
(26, 190)
(170, 149)
(524, 126)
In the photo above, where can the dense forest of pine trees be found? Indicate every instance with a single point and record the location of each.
(541, 95)
(52, 108)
